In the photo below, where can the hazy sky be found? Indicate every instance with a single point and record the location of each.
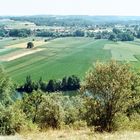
(70, 7)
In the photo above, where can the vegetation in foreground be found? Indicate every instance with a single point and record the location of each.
(85, 134)
(109, 100)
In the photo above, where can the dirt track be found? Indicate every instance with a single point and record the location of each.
(19, 53)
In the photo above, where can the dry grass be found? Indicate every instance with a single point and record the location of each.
(81, 135)
(75, 135)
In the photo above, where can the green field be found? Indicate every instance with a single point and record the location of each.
(16, 24)
(66, 56)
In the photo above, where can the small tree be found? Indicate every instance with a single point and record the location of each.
(6, 89)
(30, 104)
(73, 83)
(112, 37)
(110, 86)
(28, 86)
(30, 45)
(51, 86)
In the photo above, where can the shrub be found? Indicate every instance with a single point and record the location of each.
(6, 127)
(50, 114)
(135, 121)
(13, 120)
(121, 122)
(78, 125)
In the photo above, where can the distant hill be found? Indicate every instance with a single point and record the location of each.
(74, 20)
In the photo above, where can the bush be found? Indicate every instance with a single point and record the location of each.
(50, 114)
(13, 120)
(57, 110)
(78, 125)
(135, 121)
(122, 122)
(6, 127)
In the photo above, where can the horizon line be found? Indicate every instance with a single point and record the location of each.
(14, 15)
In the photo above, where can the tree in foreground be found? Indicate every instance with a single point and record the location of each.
(110, 87)
(6, 89)
(30, 104)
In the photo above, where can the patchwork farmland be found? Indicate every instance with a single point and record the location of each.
(62, 57)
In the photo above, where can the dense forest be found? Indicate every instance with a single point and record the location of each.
(76, 20)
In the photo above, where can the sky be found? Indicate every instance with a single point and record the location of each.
(70, 7)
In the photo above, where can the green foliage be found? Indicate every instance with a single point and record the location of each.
(121, 36)
(30, 45)
(116, 31)
(110, 86)
(138, 34)
(51, 87)
(77, 125)
(122, 122)
(19, 33)
(91, 114)
(57, 110)
(50, 114)
(125, 37)
(29, 85)
(12, 120)
(113, 37)
(110, 101)
(6, 127)
(30, 104)
(79, 33)
(98, 36)
(134, 107)
(66, 84)
(6, 89)
(135, 121)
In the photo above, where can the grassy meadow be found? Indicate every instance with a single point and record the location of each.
(66, 56)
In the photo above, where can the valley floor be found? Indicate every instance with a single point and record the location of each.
(76, 135)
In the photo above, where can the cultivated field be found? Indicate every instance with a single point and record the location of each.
(15, 51)
(61, 57)
(123, 51)
(18, 54)
(11, 24)
(64, 56)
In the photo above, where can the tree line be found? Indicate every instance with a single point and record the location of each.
(66, 84)
(15, 32)
(115, 35)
